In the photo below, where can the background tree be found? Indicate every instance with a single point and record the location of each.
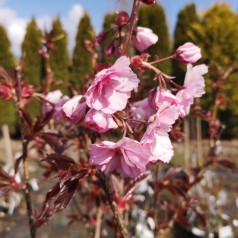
(59, 55)
(155, 19)
(82, 60)
(109, 18)
(186, 17)
(7, 112)
(217, 35)
(33, 63)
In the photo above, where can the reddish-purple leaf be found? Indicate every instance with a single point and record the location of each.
(53, 141)
(42, 121)
(60, 162)
(59, 196)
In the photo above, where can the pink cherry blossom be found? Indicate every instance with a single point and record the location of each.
(188, 53)
(186, 102)
(125, 157)
(112, 87)
(194, 87)
(75, 109)
(158, 97)
(156, 140)
(144, 38)
(194, 81)
(159, 146)
(141, 110)
(56, 101)
(163, 119)
(54, 96)
(58, 114)
(100, 121)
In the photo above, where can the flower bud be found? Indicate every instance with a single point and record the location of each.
(148, 2)
(137, 61)
(122, 18)
(27, 91)
(143, 38)
(188, 53)
(5, 91)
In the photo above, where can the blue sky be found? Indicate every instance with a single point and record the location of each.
(14, 14)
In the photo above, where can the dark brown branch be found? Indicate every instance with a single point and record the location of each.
(25, 142)
(131, 25)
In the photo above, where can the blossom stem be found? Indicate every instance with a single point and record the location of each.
(116, 213)
(131, 25)
(161, 60)
(157, 71)
(136, 120)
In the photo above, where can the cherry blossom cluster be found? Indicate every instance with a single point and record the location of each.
(106, 106)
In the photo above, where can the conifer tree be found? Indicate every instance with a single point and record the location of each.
(82, 59)
(33, 63)
(33, 68)
(155, 19)
(186, 18)
(109, 18)
(217, 35)
(7, 112)
(59, 58)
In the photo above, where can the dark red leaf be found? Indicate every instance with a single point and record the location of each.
(42, 121)
(17, 164)
(7, 183)
(53, 141)
(60, 162)
(59, 196)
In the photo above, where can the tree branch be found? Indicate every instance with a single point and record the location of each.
(131, 25)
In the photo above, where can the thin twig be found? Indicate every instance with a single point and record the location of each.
(98, 223)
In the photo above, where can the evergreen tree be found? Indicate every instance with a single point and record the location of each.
(7, 112)
(33, 64)
(155, 19)
(59, 58)
(109, 18)
(217, 35)
(6, 56)
(82, 59)
(33, 68)
(186, 18)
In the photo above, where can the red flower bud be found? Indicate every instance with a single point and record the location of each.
(27, 91)
(137, 61)
(122, 18)
(5, 91)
